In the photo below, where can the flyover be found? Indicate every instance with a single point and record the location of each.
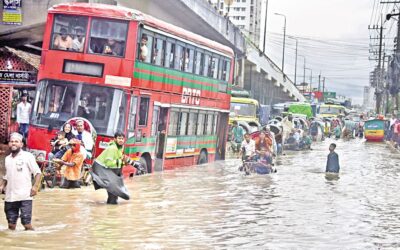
(253, 70)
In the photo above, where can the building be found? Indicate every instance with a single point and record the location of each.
(247, 15)
(18, 70)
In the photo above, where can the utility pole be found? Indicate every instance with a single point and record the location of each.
(319, 82)
(378, 90)
(304, 72)
(323, 89)
(398, 54)
(295, 67)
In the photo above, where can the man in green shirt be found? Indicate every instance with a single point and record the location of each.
(237, 136)
(107, 169)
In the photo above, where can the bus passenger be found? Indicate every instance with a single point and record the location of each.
(112, 48)
(62, 40)
(79, 40)
(85, 137)
(144, 51)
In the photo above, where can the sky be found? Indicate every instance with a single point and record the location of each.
(332, 35)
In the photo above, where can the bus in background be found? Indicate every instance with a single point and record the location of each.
(328, 110)
(166, 88)
(244, 110)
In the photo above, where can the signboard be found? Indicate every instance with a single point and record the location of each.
(329, 95)
(190, 96)
(15, 76)
(171, 145)
(12, 12)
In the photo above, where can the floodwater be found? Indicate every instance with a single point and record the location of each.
(217, 207)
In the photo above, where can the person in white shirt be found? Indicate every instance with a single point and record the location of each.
(85, 137)
(23, 113)
(297, 135)
(248, 148)
(79, 41)
(144, 51)
(20, 166)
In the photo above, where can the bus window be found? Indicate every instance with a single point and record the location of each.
(209, 124)
(200, 124)
(206, 67)
(145, 45)
(69, 33)
(182, 125)
(143, 110)
(178, 57)
(121, 114)
(214, 67)
(192, 123)
(189, 60)
(132, 116)
(169, 54)
(220, 69)
(158, 52)
(63, 100)
(225, 70)
(215, 124)
(198, 62)
(173, 123)
(108, 37)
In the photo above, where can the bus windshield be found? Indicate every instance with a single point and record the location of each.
(58, 101)
(330, 110)
(243, 109)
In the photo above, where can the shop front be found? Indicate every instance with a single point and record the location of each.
(18, 71)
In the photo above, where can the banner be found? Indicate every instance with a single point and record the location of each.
(16, 76)
(12, 12)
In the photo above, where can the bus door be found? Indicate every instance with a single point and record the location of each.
(222, 135)
(161, 125)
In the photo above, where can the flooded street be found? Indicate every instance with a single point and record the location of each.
(215, 206)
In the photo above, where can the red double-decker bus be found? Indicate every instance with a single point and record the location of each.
(166, 88)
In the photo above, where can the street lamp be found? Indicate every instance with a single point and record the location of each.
(304, 67)
(265, 25)
(284, 40)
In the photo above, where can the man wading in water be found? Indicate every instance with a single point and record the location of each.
(332, 165)
(107, 169)
(20, 166)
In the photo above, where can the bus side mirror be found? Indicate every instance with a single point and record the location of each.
(51, 126)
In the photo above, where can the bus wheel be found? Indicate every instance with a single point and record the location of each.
(145, 169)
(203, 159)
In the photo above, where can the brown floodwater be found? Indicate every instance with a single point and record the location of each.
(217, 207)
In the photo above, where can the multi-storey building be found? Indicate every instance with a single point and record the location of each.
(247, 15)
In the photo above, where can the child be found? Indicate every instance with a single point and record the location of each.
(332, 165)
(59, 145)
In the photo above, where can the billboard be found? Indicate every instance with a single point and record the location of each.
(12, 13)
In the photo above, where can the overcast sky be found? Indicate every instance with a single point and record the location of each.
(333, 35)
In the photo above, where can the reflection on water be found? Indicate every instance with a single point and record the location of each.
(216, 206)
